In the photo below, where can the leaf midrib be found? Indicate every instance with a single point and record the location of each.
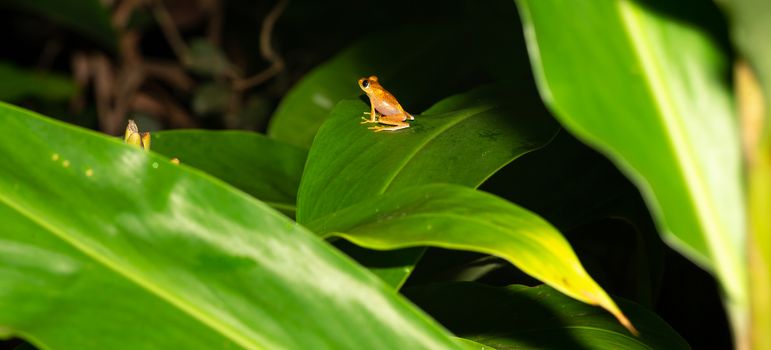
(503, 253)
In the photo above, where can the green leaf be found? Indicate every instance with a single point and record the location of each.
(205, 58)
(87, 17)
(100, 238)
(211, 98)
(17, 84)
(521, 317)
(472, 345)
(447, 57)
(649, 91)
(456, 217)
(265, 168)
(463, 139)
(402, 61)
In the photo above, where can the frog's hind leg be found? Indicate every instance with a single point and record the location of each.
(388, 128)
(394, 122)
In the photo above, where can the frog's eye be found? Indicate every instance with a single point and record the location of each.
(365, 83)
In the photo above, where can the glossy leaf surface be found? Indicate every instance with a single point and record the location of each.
(265, 168)
(456, 217)
(463, 140)
(98, 235)
(652, 95)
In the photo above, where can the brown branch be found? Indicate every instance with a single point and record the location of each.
(214, 27)
(266, 50)
(170, 73)
(104, 79)
(170, 31)
(81, 75)
(122, 13)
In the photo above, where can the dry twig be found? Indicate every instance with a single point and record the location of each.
(170, 31)
(266, 50)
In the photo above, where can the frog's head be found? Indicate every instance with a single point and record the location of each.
(366, 83)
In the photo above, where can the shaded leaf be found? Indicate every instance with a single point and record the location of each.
(87, 17)
(455, 217)
(17, 84)
(521, 317)
(573, 188)
(472, 345)
(211, 98)
(265, 168)
(206, 58)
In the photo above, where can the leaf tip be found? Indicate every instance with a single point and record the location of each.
(608, 304)
(626, 323)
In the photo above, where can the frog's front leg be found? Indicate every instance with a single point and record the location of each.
(372, 116)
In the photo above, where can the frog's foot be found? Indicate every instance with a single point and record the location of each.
(368, 120)
(388, 128)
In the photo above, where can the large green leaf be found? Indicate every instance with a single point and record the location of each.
(400, 59)
(649, 91)
(456, 217)
(17, 83)
(88, 17)
(420, 63)
(265, 168)
(463, 140)
(521, 317)
(100, 238)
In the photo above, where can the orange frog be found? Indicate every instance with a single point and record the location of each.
(391, 112)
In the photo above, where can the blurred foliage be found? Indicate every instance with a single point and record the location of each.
(207, 64)
(19, 84)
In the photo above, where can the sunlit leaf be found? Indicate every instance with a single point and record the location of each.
(167, 257)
